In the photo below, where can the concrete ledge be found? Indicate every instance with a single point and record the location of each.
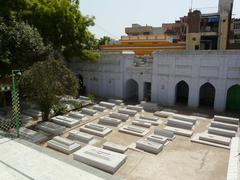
(63, 145)
(115, 147)
(134, 130)
(157, 139)
(179, 131)
(142, 123)
(226, 119)
(135, 108)
(128, 112)
(107, 104)
(184, 118)
(164, 132)
(51, 128)
(88, 111)
(80, 136)
(217, 124)
(109, 121)
(180, 124)
(149, 146)
(123, 117)
(100, 158)
(99, 108)
(215, 139)
(96, 129)
(221, 132)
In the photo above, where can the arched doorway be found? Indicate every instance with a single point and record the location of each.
(207, 95)
(182, 91)
(131, 90)
(233, 98)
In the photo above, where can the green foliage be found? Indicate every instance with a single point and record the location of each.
(45, 82)
(91, 97)
(20, 46)
(104, 40)
(77, 105)
(59, 109)
(58, 21)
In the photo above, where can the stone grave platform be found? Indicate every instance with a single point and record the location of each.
(107, 104)
(32, 136)
(96, 129)
(89, 112)
(109, 121)
(100, 158)
(115, 147)
(76, 115)
(148, 106)
(121, 116)
(226, 126)
(163, 114)
(134, 130)
(135, 108)
(149, 146)
(142, 124)
(80, 136)
(63, 145)
(165, 133)
(185, 118)
(179, 131)
(180, 124)
(65, 121)
(221, 132)
(99, 108)
(118, 102)
(51, 128)
(157, 139)
(127, 111)
(33, 113)
(224, 119)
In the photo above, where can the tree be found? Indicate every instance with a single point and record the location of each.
(20, 46)
(58, 21)
(104, 40)
(45, 82)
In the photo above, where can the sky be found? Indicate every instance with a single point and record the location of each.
(112, 16)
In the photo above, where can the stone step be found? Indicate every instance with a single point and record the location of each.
(184, 118)
(179, 131)
(121, 116)
(109, 121)
(99, 108)
(215, 139)
(63, 145)
(115, 147)
(107, 104)
(217, 124)
(149, 146)
(135, 108)
(180, 124)
(141, 123)
(100, 158)
(224, 119)
(221, 132)
(163, 132)
(157, 138)
(89, 112)
(128, 112)
(80, 136)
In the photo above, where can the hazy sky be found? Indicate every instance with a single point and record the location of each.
(112, 16)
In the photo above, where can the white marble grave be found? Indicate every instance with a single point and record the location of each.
(115, 147)
(149, 146)
(80, 136)
(50, 127)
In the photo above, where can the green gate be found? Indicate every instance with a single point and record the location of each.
(233, 98)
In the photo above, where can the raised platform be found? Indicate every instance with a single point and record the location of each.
(115, 147)
(180, 124)
(215, 139)
(89, 112)
(221, 132)
(33, 113)
(118, 102)
(100, 158)
(179, 131)
(65, 121)
(109, 121)
(99, 108)
(76, 115)
(142, 123)
(107, 104)
(80, 136)
(32, 136)
(184, 118)
(51, 128)
(121, 116)
(149, 146)
(134, 130)
(135, 108)
(63, 145)
(165, 133)
(224, 119)
(163, 114)
(96, 129)
(128, 112)
(148, 106)
(157, 139)
(226, 126)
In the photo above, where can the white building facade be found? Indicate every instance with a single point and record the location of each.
(193, 78)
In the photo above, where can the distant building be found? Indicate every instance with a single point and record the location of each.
(234, 36)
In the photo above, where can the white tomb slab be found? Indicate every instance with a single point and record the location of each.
(135, 108)
(142, 123)
(149, 146)
(115, 147)
(89, 112)
(25, 118)
(76, 115)
(134, 130)
(157, 139)
(33, 113)
(109, 121)
(221, 132)
(123, 117)
(128, 112)
(222, 125)
(215, 139)
(107, 104)
(63, 145)
(179, 131)
(99, 108)
(148, 106)
(116, 101)
(155, 123)
(100, 158)
(80, 136)
(32, 136)
(180, 124)
(65, 121)
(84, 98)
(96, 129)
(185, 118)
(164, 132)
(224, 119)
(51, 128)
(164, 114)
(150, 118)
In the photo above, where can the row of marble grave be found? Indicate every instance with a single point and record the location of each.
(220, 132)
